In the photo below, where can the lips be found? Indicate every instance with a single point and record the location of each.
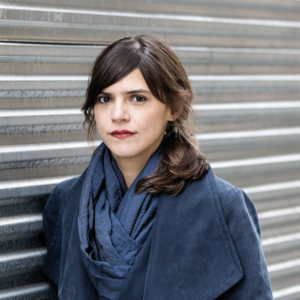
(122, 134)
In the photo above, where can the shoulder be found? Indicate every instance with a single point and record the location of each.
(232, 197)
(242, 222)
(70, 187)
(67, 191)
(64, 191)
(235, 202)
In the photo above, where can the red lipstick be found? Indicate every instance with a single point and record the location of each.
(121, 134)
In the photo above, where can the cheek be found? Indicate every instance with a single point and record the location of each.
(152, 121)
(100, 121)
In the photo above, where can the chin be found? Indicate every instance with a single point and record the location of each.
(124, 152)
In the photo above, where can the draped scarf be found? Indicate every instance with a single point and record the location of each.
(113, 222)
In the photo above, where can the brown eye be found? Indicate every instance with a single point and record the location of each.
(139, 98)
(103, 99)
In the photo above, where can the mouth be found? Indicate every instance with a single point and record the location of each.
(122, 134)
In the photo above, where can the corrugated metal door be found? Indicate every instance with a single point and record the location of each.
(243, 59)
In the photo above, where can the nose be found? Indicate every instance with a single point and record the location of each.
(119, 111)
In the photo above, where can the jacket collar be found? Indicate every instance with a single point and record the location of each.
(192, 254)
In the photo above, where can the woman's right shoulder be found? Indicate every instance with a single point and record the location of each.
(65, 191)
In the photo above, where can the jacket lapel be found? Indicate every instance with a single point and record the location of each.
(192, 254)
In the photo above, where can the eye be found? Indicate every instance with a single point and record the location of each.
(103, 99)
(139, 98)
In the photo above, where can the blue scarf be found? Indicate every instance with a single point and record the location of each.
(113, 222)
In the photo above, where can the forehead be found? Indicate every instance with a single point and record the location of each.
(134, 80)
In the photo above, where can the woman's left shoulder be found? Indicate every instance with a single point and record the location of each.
(242, 222)
(236, 203)
(226, 189)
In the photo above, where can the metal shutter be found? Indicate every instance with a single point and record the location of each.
(243, 59)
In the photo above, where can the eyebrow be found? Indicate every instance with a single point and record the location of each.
(128, 93)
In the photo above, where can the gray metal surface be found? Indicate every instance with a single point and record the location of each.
(69, 25)
(243, 59)
(33, 291)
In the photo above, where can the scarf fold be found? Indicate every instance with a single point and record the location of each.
(113, 222)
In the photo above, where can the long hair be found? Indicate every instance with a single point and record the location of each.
(167, 80)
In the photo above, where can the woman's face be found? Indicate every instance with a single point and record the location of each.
(129, 105)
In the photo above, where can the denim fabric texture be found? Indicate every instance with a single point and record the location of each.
(204, 244)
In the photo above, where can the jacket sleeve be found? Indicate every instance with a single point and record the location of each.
(242, 221)
(53, 290)
(50, 228)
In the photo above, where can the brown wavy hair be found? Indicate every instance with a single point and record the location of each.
(167, 80)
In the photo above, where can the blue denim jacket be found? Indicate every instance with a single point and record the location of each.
(205, 244)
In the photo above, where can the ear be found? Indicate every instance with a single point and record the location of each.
(175, 115)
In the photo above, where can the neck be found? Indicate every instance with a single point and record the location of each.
(129, 172)
(132, 166)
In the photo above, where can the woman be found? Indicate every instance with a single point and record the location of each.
(148, 219)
